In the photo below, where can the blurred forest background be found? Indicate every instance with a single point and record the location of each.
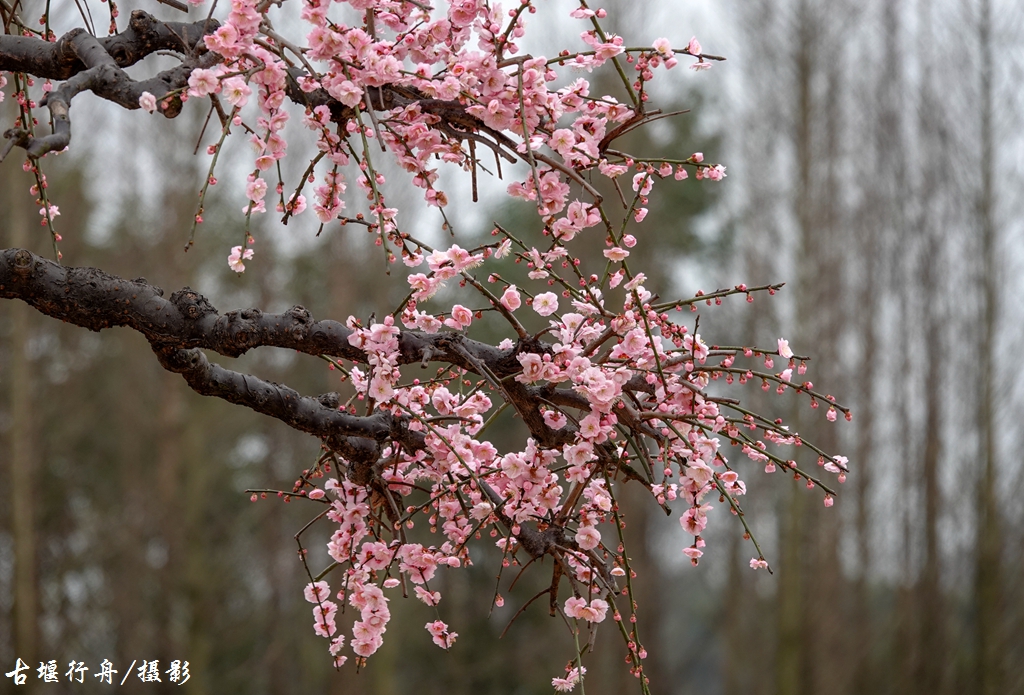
(875, 164)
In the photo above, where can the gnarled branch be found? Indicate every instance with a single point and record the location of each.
(96, 65)
(144, 36)
(88, 63)
(179, 326)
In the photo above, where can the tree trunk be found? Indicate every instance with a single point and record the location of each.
(988, 578)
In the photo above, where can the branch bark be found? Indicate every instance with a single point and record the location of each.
(96, 65)
(144, 36)
(88, 63)
(180, 327)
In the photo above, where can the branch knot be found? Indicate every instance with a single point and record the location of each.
(192, 305)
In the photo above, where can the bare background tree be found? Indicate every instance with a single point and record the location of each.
(882, 173)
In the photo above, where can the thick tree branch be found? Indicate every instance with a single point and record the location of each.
(145, 35)
(358, 439)
(96, 64)
(100, 72)
(94, 299)
(176, 327)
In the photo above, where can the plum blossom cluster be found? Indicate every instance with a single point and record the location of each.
(429, 86)
(611, 384)
(626, 397)
(625, 381)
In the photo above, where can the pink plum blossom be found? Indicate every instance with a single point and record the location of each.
(572, 678)
(236, 257)
(461, 318)
(236, 91)
(319, 591)
(784, 350)
(594, 612)
(545, 303)
(441, 636)
(510, 298)
(693, 553)
(203, 83)
(588, 537)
